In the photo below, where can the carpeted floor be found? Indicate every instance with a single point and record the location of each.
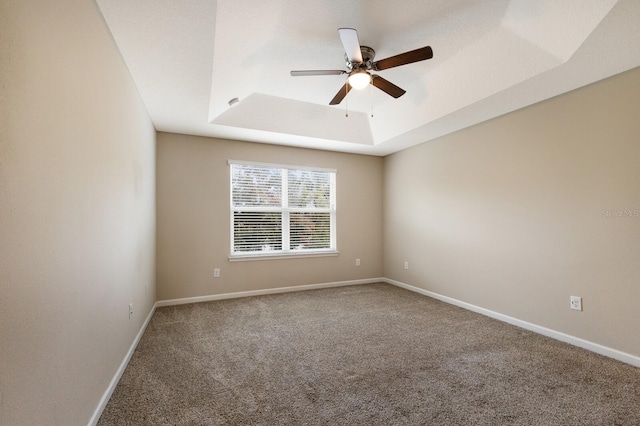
(361, 355)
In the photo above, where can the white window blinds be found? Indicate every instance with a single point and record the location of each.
(281, 210)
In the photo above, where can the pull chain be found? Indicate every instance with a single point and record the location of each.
(371, 98)
(346, 101)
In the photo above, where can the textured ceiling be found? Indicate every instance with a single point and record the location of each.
(189, 58)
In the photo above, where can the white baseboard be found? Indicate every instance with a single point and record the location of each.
(210, 298)
(123, 365)
(572, 340)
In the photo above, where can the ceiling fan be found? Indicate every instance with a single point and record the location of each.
(360, 61)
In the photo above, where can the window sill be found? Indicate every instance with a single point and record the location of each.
(275, 256)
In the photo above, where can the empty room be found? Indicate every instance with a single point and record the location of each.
(220, 212)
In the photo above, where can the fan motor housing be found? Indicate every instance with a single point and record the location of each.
(367, 58)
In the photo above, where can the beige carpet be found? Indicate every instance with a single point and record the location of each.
(361, 355)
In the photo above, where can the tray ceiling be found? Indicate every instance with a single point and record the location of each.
(190, 58)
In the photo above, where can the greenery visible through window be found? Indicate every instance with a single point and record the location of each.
(281, 210)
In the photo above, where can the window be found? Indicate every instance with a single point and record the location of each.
(282, 210)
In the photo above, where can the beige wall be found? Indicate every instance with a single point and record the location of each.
(193, 218)
(77, 217)
(510, 215)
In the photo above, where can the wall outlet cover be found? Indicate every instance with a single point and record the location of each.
(576, 303)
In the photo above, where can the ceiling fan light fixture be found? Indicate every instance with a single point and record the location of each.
(359, 79)
(359, 61)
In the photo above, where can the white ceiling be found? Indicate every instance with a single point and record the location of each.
(190, 57)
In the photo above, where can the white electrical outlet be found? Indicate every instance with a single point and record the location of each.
(576, 303)
(130, 310)
(406, 265)
(357, 262)
(216, 273)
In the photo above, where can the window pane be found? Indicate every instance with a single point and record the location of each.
(280, 210)
(309, 189)
(256, 186)
(310, 231)
(257, 231)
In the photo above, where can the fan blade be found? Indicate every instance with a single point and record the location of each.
(387, 86)
(403, 59)
(316, 72)
(341, 94)
(349, 38)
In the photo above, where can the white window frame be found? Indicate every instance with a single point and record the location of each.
(286, 252)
